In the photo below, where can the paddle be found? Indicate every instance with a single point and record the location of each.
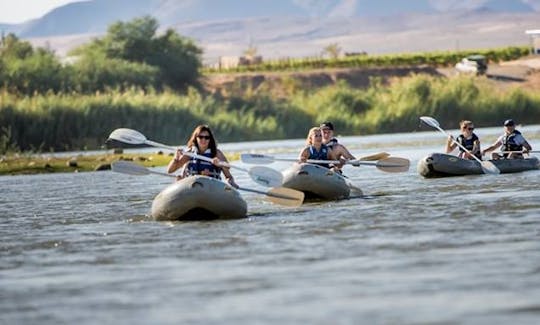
(533, 151)
(487, 166)
(390, 165)
(279, 195)
(261, 175)
(375, 156)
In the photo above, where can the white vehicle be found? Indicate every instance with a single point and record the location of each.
(472, 64)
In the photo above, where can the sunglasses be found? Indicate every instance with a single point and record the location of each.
(470, 129)
(207, 137)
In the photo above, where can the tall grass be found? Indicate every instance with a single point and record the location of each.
(70, 121)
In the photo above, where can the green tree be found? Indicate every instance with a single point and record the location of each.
(26, 70)
(177, 58)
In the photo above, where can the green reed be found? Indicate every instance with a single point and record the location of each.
(71, 121)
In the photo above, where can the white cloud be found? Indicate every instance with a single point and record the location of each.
(446, 5)
(346, 8)
(533, 3)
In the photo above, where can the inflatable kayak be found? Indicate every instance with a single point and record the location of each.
(443, 165)
(316, 182)
(198, 198)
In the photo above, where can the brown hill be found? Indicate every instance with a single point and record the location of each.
(523, 73)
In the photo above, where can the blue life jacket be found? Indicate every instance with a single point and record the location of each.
(197, 166)
(509, 142)
(469, 144)
(322, 154)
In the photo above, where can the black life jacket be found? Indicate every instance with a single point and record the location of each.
(509, 142)
(331, 143)
(469, 144)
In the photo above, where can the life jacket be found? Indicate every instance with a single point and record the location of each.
(331, 143)
(322, 154)
(509, 142)
(197, 166)
(469, 144)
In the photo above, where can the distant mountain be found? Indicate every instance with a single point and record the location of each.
(96, 15)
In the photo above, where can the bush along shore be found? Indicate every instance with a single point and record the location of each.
(66, 122)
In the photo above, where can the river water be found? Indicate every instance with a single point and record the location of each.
(80, 249)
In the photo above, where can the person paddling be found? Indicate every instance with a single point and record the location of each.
(467, 139)
(316, 150)
(201, 142)
(511, 140)
(331, 142)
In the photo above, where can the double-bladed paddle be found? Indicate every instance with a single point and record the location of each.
(390, 165)
(487, 166)
(278, 195)
(375, 156)
(261, 175)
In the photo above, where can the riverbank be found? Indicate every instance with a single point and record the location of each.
(30, 164)
(27, 164)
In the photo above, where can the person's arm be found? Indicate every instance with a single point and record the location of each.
(343, 152)
(476, 147)
(450, 144)
(220, 158)
(304, 155)
(527, 147)
(494, 146)
(178, 161)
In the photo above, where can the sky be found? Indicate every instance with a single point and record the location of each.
(18, 11)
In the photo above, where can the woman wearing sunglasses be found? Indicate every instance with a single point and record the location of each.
(468, 139)
(201, 142)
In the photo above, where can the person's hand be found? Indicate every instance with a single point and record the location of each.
(450, 139)
(179, 153)
(231, 182)
(216, 161)
(342, 162)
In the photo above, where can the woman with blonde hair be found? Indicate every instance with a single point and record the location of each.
(467, 139)
(315, 149)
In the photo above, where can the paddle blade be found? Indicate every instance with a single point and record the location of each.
(375, 156)
(266, 176)
(126, 167)
(252, 158)
(128, 136)
(430, 121)
(394, 165)
(489, 168)
(285, 196)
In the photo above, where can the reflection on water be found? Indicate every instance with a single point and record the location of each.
(80, 248)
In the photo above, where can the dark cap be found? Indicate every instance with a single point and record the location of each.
(328, 125)
(509, 122)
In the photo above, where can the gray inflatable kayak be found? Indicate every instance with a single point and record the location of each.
(443, 165)
(316, 182)
(198, 198)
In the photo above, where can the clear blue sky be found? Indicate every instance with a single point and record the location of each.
(18, 11)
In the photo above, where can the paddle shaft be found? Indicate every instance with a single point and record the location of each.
(192, 155)
(533, 151)
(129, 168)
